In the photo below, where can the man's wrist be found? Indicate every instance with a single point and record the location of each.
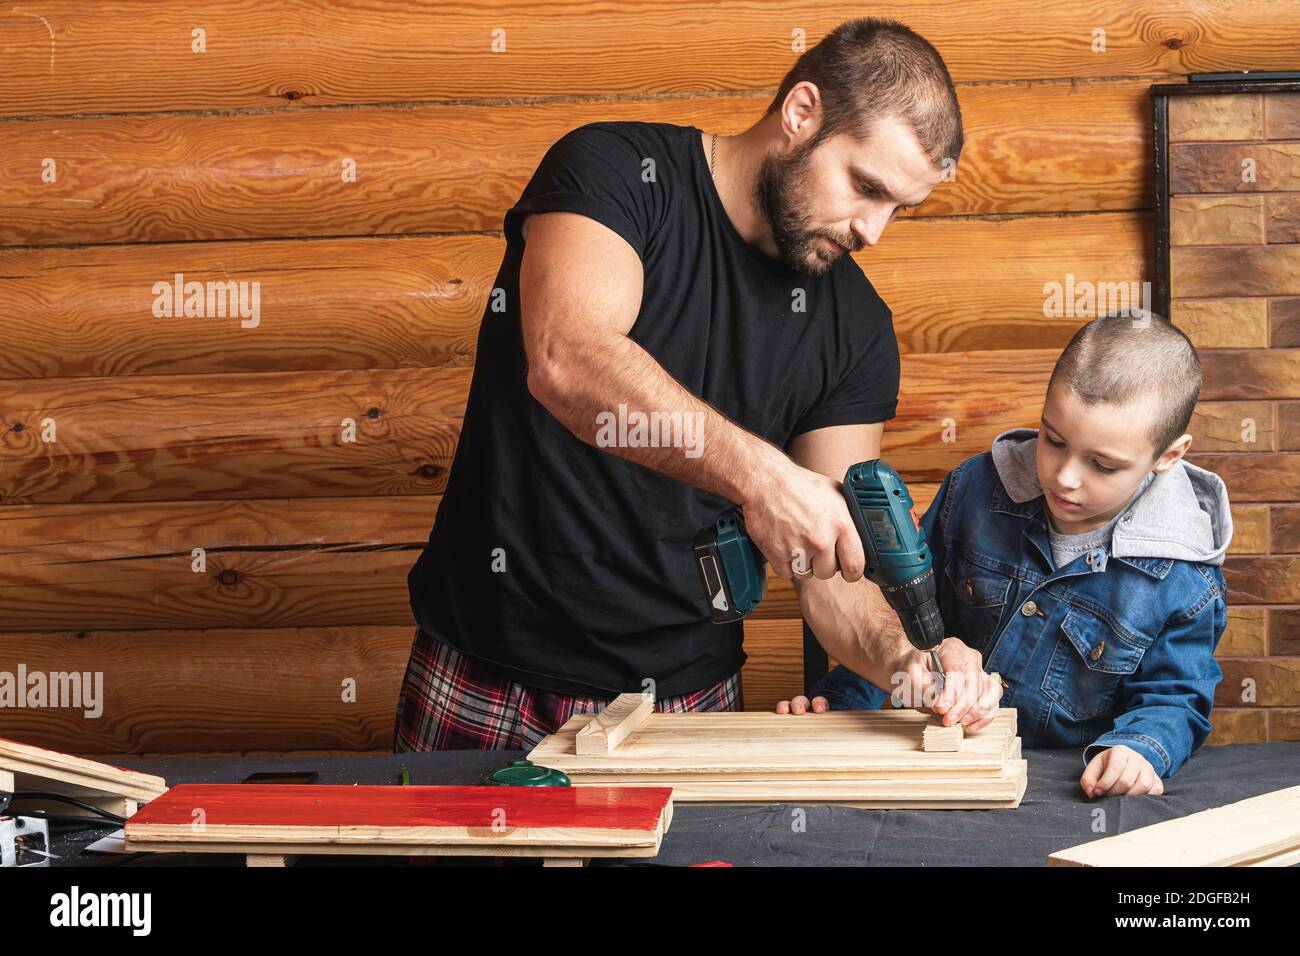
(759, 476)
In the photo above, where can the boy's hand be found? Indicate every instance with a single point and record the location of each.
(969, 696)
(799, 705)
(1118, 770)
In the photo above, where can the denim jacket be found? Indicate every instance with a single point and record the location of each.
(1116, 647)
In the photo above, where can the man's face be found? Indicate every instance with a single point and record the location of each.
(823, 203)
(1091, 458)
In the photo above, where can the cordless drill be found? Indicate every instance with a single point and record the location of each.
(733, 570)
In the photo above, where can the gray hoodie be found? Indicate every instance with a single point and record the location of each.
(1182, 514)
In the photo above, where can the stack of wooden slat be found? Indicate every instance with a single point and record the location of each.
(859, 758)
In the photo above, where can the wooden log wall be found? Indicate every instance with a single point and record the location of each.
(355, 160)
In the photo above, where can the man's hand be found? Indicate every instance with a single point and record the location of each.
(969, 696)
(1120, 770)
(801, 705)
(801, 523)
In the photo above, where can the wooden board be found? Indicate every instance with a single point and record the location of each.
(867, 758)
(1260, 831)
(115, 789)
(273, 819)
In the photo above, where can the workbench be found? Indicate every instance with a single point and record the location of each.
(1053, 815)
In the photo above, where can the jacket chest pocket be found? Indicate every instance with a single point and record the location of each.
(980, 596)
(1088, 664)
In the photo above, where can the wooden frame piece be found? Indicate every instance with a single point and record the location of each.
(115, 789)
(1260, 831)
(609, 728)
(936, 738)
(853, 758)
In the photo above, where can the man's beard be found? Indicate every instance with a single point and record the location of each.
(781, 192)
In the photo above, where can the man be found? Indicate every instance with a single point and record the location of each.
(676, 327)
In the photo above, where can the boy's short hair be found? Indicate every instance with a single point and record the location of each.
(1116, 359)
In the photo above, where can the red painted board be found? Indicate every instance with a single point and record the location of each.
(247, 804)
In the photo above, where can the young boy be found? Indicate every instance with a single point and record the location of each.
(1082, 560)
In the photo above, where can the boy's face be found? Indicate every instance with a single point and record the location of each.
(1092, 458)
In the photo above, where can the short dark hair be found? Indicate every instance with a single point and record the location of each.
(1116, 359)
(872, 67)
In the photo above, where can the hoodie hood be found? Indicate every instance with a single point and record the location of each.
(1183, 514)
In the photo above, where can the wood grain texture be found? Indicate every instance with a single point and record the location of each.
(1246, 833)
(274, 434)
(29, 767)
(612, 725)
(297, 434)
(262, 688)
(342, 303)
(1049, 147)
(936, 738)
(953, 285)
(71, 58)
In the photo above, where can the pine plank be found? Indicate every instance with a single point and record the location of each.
(1259, 831)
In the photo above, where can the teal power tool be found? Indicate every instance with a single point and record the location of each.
(733, 570)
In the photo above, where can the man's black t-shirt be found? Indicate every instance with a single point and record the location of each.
(566, 567)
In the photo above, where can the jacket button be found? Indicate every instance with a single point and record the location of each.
(1098, 651)
(970, 588)
(1028, 608)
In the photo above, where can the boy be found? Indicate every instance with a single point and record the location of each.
(1082, 560)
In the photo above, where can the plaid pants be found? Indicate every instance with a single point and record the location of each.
(450, 702)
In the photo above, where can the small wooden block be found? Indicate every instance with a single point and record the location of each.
(268, 859)
(620, 718)
(937, 738)
(564, 861)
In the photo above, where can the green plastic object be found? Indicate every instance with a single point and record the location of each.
(525, 773)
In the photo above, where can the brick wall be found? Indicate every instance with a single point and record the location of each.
(1234, 276)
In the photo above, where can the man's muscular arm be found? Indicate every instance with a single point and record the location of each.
(580, 287)
(856, 625)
